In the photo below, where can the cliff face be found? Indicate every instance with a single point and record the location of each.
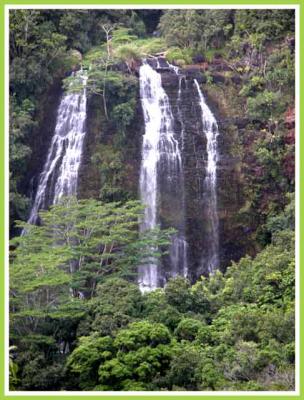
(104, 140)
(110, 158)
(42, 136)
(187, 115)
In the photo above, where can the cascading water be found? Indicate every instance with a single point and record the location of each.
(211, 132)
(161, 157)
(60, 172)
(179, 106)
(179, 248)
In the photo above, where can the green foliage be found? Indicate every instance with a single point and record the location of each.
(122, 35)
(178, 294)
(188, 329)
(284, 220)
(255, 84)
(123, 114)
(195, 29)
(84, 361)
(49, 376)
(185, 366)
(151, 46)
(280, 72)
(96, 240)
(247, 342)
(128, 53)
(117, 303)
(111, 168)
(13, 369)
(157, 309)
(179, 56)
(266, 274)
(272, 23)
(143, 353)
(21, 126)
(266, 106)
(232, 331)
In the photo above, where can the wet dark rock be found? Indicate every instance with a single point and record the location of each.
(194, 73)
(43, 134)
(218, 78)
(121, 67)
(169, 78)
(240, 123)
(198, 58)
(188, 119)
(221, 67)
(217, 56)
(236, 79)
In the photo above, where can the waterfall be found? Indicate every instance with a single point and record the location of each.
(211, 132)
(179, 248)
(60, 172)
(161, 159)
(179, 103)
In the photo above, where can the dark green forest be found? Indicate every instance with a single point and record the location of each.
(78, 319)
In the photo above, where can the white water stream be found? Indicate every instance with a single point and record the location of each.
(211, 132)
(60, 172)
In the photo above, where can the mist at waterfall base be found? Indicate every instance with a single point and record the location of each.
(59, 176)
(162, 175)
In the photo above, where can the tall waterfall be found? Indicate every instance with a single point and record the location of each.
(60, 172)
(211, 132)
(161, 157)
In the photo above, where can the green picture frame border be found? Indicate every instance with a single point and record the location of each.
(4, 199)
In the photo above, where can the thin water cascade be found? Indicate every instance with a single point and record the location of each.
(174, 68)
(179, 248)
(60, 172)
(211, 132)
(161, 157)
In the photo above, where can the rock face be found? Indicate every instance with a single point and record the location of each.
(188, 123)
(43, 133)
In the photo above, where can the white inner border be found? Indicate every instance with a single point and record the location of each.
(7, 392)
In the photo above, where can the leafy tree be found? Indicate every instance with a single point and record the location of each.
(95, 239)
(143, 354)
(157, 309)
(185, 367)
(88, 241)
(196, 29)
(188, 329)
(84, 361)
(265, 106)
(272, 23)
(117, 303)
(177, 292)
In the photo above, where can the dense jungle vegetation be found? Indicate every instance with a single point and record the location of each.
(89, 327)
